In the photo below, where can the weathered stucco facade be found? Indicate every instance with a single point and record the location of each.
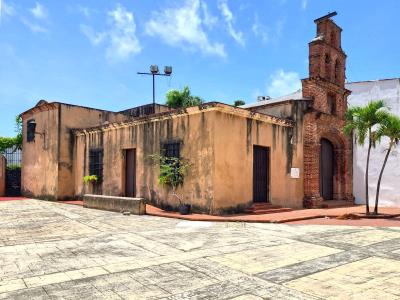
(220, 179)
(47, 160)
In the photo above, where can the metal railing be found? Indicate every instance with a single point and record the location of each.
(13, 156)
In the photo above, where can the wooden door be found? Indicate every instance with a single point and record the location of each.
(130, 172)
(260, 174)
(326, 169)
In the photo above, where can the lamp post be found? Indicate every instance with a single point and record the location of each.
(154, 71)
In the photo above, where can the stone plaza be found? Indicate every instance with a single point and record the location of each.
(52, 250)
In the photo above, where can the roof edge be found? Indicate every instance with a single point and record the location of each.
(45, 103)
(209, 106)
(376, 80)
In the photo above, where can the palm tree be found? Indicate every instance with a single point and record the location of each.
(361, 121)
(389, 127)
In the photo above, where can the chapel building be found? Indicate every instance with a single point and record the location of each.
(288, 152)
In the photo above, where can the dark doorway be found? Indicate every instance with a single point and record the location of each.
(130, 172)
(326, 169)
(260, 174)
(13, 171)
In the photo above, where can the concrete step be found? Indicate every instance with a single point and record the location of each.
(266, 205)
(267, 211)
(266, 208)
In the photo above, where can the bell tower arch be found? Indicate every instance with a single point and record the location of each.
(325, 87)
(327, 68)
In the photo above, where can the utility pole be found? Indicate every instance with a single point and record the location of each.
(154, 71)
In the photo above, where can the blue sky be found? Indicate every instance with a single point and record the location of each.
(87, 52)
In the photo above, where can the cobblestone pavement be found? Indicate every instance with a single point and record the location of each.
(59, 251)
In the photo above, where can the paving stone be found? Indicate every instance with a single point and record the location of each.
(57, 251)
(312, 266)
(239, 287)
(11, 285)
(356, 278)
(269, 258)
(26, 294)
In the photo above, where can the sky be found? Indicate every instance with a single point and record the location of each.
(88, 52)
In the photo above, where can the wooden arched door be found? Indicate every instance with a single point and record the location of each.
(326, 169)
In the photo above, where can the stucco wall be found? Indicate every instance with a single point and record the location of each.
(362, 93)
(234, 140)
(292, 109)
(40, 158)
(220, 147)
(193, 129)
(47, 170)
(73, 117)
(2, 175)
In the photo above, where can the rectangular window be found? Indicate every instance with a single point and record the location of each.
(172, 149)
(332, 104)
(96, 163)
(30, 131)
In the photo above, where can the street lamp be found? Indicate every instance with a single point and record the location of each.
(154, 71)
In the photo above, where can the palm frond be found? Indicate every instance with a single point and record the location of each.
(389, 127)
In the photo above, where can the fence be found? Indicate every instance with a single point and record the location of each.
(13, 171)
(2, 176)
(13, 157)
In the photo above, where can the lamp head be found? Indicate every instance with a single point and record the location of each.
(168, 70)
(154, 69)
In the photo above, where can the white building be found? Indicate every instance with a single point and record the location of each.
(363, 92)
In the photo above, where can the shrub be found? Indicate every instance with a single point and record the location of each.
(90, 178)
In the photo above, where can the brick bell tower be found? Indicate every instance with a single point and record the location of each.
(327, 151)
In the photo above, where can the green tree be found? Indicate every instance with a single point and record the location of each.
(239, 103)
(361, 121)
(172, 172)
(390, 128)
(11, 142)
(182, 99)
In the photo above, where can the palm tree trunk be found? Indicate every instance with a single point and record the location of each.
(380, 178)
(366, 175)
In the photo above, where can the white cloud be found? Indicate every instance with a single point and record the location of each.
(268, 34)
(86, 11)
(124, 42)
(120, 37)
(304, 4)
(209, 20)
(260, 30)
(229, 19)
(34, 27)
(39, 12)
(6, 9)
(283, 83)
(94, 37)
(182, 27)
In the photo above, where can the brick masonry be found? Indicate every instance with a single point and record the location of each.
(325, 119)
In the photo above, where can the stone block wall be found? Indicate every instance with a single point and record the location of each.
(136, 206)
